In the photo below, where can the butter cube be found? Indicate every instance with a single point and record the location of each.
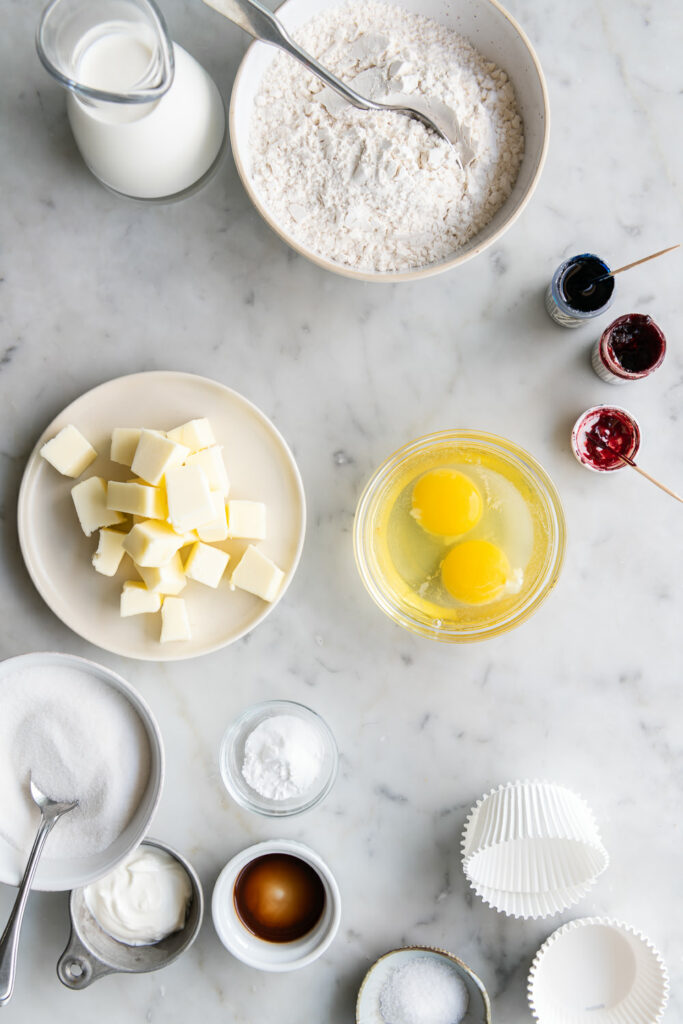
(164, 579)
(109, 552)
(211, 461)
(189, 498)
(175, 624)
(152, 543)
(138, 499)
(136, 599)
(247, 519)
(155, 454)
(217, 529)
(256, 573)
(90, 499)
(124, 441)
(206, 564)
(195, 435)
(69, 452)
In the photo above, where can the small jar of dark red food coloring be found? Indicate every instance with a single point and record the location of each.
(632, 347)
(573, 297)
(602, 434)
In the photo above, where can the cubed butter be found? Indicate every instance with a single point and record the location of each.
(155, 454)
(206, 564)
(195, 435)
(138, 499)
(211, 461)
(69, 452)
(90, 499)
(256, 573)
(217, 529)
(109, 552)
(136, 599)
(124, 441)
(247, 519)
(152, 543)
(189, 498)
(164, 579)
(175, 624)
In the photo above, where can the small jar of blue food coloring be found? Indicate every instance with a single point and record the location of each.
(572, 298)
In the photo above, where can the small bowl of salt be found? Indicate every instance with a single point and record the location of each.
(278, 758)
(422, 985)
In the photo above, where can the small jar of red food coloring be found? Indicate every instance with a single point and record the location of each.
(632, 347)
(572, 297)
(602, 434)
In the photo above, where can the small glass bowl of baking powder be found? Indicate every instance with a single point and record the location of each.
(278, 758)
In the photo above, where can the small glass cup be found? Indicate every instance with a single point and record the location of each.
(231, 759)
(645, 355)
(557, 302)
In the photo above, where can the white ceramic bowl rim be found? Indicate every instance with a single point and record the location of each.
(471, 249)
(60, 875)
(273, 956)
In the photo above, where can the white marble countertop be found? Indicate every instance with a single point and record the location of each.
(587, 693)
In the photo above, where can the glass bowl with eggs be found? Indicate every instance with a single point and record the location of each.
(459, 536)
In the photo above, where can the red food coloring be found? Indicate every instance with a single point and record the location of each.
(604, 435)
(635, 343)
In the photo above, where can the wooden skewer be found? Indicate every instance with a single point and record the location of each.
(644, 260)
(629, 462)
(620, 270)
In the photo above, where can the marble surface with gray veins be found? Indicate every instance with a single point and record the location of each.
(587, 693)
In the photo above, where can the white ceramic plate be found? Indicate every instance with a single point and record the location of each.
(490, 28)
(60, 873)
(58, 555)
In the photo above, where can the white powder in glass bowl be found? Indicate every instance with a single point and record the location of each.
(378, 191)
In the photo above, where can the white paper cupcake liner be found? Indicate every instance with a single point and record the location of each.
(532, 849)
(598, 971)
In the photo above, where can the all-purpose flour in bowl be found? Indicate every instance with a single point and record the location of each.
(80, 739)
(378, 191)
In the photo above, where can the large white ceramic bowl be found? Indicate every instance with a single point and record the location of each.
(496, 35)
(55, 874)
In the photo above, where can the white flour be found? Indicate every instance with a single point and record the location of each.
(378, 191)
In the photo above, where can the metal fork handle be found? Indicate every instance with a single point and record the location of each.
(262, 24)
(9, 943)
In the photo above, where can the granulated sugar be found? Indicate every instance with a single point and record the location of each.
(79, 739)
(378, 191)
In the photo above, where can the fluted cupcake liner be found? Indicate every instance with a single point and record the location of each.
(532, 849)
(596, 970)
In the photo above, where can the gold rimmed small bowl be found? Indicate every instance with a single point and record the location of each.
(368, 1003)
(401, 601)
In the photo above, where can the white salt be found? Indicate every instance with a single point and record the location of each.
(423, 991)
(80, 740)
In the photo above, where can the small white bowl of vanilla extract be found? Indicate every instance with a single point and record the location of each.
(276, 906)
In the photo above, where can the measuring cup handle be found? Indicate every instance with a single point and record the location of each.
(77, 967)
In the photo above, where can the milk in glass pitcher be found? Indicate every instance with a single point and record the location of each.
(147, 118)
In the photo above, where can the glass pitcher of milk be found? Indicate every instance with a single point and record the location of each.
(147, 118)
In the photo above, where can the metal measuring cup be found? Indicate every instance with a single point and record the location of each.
(91, 952)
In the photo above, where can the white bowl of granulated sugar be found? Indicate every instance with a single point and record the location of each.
(82, 733)
(376, 196)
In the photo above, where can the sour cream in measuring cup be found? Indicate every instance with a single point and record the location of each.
(143, 900)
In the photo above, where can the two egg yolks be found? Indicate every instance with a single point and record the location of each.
(445, 502)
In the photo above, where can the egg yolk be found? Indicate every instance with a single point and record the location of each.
(446, 502)
(475, 572)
